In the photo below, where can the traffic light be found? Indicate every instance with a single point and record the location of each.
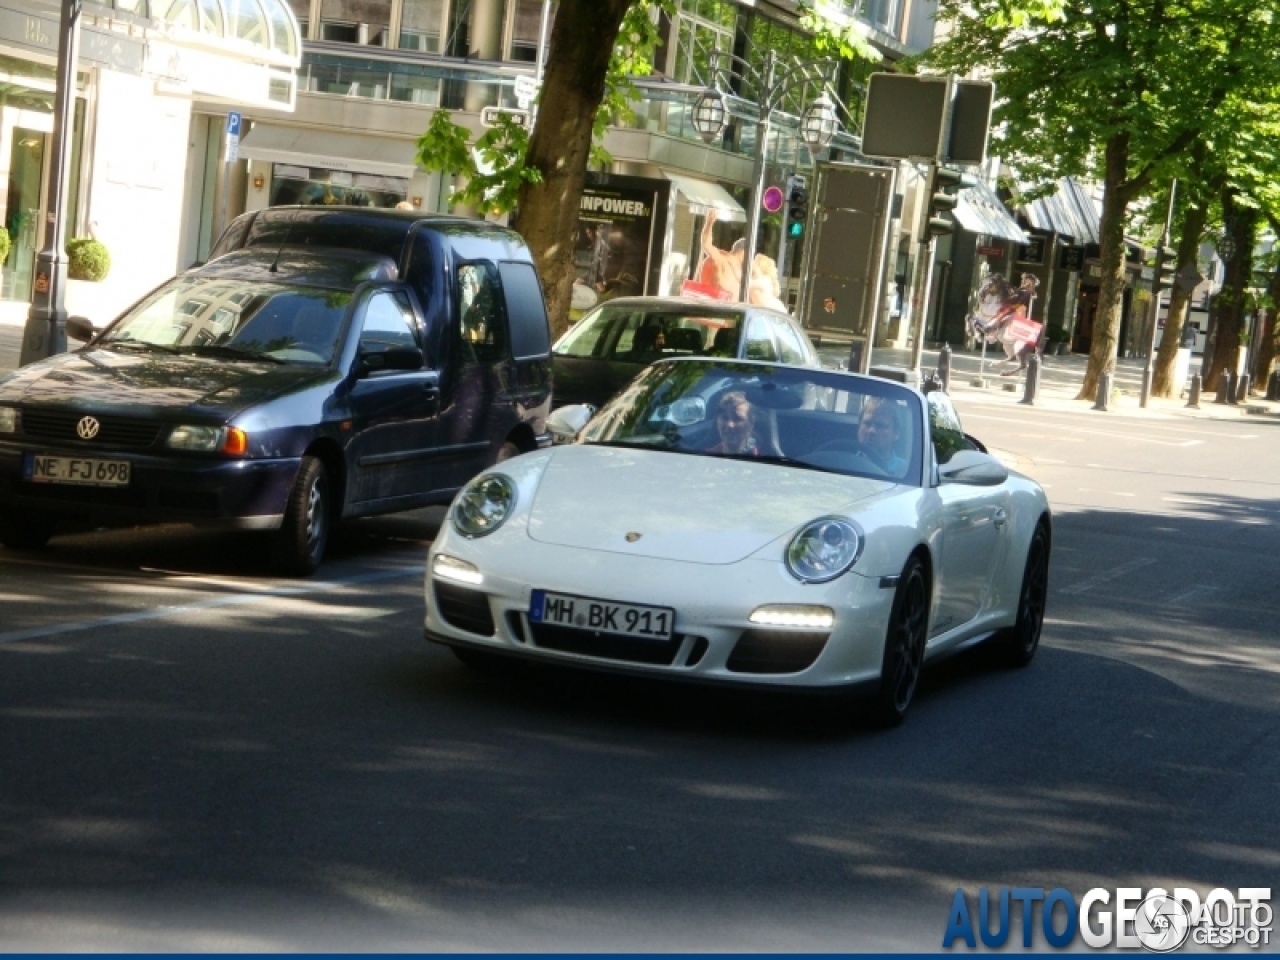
(943, 187)
(1166, 264)
(797, 205)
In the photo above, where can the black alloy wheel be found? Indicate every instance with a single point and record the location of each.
(904, 646)
(302, 538)
(27, 532)
(1019, 643)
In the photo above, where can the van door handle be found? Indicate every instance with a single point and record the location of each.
(431, 390)
(1000, 517)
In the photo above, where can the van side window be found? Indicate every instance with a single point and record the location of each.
(484, 321)
(526, 310)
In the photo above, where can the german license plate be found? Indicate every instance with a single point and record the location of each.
(85, 471)
(602, 616)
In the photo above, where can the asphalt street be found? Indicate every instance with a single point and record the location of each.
(195, 755)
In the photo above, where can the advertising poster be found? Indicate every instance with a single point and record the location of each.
(1002, 314)
(717, 270)
(621, 222)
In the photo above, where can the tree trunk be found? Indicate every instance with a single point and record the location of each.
(1231, 300)
(1106, 323)
(1188, 252)
(581, 43)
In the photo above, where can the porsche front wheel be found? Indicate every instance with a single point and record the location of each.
(903, 646)
(1019, 643)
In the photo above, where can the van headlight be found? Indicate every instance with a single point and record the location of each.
(484, 505)
(8, 420)
(823, 550)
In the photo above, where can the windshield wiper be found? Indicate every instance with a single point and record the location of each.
(233, 353)
(771, 458)
(145, 345)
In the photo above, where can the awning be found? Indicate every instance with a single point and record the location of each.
(1068, 212)
(979, 210)
(703, 195)
(332, 151)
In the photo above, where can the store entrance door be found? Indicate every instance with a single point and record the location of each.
(23, 207)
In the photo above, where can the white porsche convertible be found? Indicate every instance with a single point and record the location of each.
(752, 524)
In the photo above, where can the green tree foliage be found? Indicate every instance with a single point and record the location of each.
(1115, 90)
(89, 259)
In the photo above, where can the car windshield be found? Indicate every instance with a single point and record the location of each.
(643, 334)
(234, 319)
(799, 417)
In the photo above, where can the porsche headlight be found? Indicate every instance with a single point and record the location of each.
(823, 550)
(484, 505)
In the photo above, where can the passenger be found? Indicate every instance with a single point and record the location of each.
(735, 423)
(878, 435)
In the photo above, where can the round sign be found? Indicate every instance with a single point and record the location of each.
(772, 199)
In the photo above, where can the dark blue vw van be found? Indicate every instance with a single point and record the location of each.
(324, 363)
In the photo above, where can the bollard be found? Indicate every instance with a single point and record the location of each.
(1104, 391)
(1223, 385)
(1033, 379)
(1242, 389)
(944, 367)
(855, 356)
(1232, 380)
(1273, 386)
(1193, 401)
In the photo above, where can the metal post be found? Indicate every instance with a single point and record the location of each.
(757, 178)
(1033, 379)
(1148, 369)
(1104, 391)
(944, 367)
(1242, 389)
(922, 314)
(1193, 400)
(1224, 385)
(1273, 386)
(45, 334)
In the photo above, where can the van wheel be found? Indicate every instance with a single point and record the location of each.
(26, 532)
(903, 646)
(507, 451)
(302, 538)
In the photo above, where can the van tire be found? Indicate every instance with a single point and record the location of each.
(301, 540)
(30, 532)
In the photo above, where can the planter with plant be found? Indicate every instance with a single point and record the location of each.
(89, 259)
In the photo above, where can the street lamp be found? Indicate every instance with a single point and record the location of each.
(769, 82)
(709, 115)
(818, 124)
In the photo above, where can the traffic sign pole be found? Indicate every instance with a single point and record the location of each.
(230, 154)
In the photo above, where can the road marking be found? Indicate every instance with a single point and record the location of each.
(1114, 493)
(1199, 590)
(234, 600)
(1114, 573)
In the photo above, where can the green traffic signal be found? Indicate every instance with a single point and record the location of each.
(795, 228)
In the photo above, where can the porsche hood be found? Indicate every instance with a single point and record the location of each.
(675, 507)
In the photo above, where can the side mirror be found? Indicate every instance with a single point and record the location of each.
(393, 358)
(565, 423)
(973, 469)
(79, 328)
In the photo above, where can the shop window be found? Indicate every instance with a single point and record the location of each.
(484, 322)
(525, 30)
(355, 21)
(475, 29)
(302, 13)
(312, 186)
(421, 25)
(704, 26)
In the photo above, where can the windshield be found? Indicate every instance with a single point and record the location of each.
(230, 319)
(639, 334)
(815, 419)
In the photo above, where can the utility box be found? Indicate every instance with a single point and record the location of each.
(851, 208)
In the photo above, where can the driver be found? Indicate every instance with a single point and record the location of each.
(878, 435)
(735, 423)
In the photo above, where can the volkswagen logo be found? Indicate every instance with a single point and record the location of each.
(88, 428)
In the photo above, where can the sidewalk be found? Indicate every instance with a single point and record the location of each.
(1060, 381)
